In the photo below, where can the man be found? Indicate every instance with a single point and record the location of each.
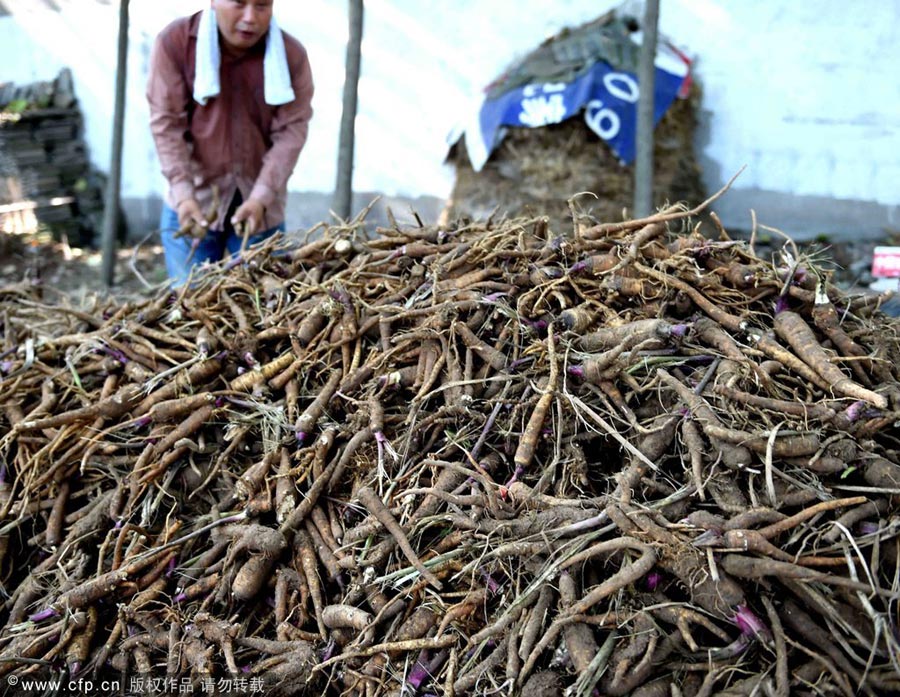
(230, 103)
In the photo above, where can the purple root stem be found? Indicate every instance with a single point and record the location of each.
(518, 362)
(236, 260)
(340, 296)
(652, 580)
(142, 421)
(489, 644)
(328, 652)
(577, 267)
(782, 304)
(115, 353)
(489, 424)
(238, 402)
(750, 625)
(419, 672)
(735, 648)
(489, 582)
(869, 528)
(708, 538)
(538, 325)
(855, 410)
(518, 473)
(576, 370)
(425, 668)
(44, 614)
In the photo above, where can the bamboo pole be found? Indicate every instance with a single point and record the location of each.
(343, 193)
(111, 202)
(643, 169)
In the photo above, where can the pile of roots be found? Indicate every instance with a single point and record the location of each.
(467, 459)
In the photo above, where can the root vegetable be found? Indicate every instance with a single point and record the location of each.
(825, 317)
(819, 412)
(579, 638)
(348, 616)
(172, 409)
(307, 420)
(307, 558)
(746, 567)
(323, 481)
(733, 454)
(262, 373)
(791, 327)
(185, 382)
(54, 533)
(444, 483)
(83, 595)
(251, 577)
(490, 355)
(630, 335)
(376, 507)
(183, 430)
(113, 407)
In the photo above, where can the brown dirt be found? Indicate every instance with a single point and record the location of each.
(73, 275)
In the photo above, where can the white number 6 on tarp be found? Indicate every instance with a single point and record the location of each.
(602, 120)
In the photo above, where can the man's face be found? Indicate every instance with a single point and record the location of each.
(242, 23)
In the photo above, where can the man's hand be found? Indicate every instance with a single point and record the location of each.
(190, 217)
(251, 213)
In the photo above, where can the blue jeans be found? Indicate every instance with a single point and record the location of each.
(211, 248)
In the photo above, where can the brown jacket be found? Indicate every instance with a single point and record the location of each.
(235, 141)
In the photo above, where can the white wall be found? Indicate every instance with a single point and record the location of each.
(802, 92)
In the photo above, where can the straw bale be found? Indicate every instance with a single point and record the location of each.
(535, 171)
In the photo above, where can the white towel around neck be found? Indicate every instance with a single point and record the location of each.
(277, 76)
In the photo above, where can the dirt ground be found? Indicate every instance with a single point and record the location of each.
(67, 274)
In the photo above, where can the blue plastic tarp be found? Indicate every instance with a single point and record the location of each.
(608, 98)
